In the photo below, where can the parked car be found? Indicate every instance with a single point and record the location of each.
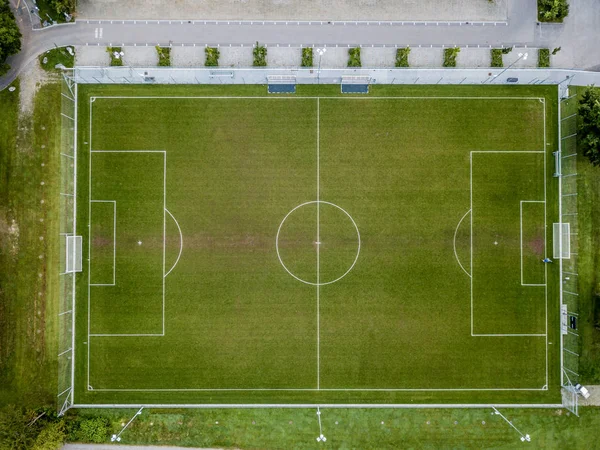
(582, 390)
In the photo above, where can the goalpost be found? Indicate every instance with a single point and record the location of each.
(73, 254)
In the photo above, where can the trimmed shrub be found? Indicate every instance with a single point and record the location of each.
(354, 57)
(588, 129)
(450, 55)
(95, 429)
(307, 57)
(402, 57)
(260, 55)
(552, 10)
(164, 56)
(497, 57)
(212, 56)
(544, 57)
(114, 61)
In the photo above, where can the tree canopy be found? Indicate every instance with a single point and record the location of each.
(588, 132)
(10, 35)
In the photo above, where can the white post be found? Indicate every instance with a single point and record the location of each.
(117, 437)
(524, 437)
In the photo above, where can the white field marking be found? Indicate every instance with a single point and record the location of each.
(223, 97)
(322, 405)
(343, 98)
(318, 248)
(322, 389)
(521, 238)
(545, 224)
(180, 242)
(124, 334)
(89, 242)
(73, 328)
(454, 241)
(114, 279)
(325, 203)
(92, 99)
(545, 234)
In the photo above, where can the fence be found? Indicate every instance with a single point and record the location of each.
(569, 291)
(68, 167)
(170, 75)
(566, 82)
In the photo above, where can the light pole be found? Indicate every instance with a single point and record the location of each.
(522, 56)
(321, 52)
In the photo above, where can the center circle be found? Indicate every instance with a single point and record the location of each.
(318, 243)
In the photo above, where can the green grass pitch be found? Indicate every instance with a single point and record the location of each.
(316, 248)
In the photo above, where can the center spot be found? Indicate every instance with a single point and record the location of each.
(318, 243)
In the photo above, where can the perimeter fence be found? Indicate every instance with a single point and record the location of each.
(224, 75)
(67, 228)
(569, 291)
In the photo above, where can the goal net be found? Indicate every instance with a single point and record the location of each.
(562, 240)
(73, 254)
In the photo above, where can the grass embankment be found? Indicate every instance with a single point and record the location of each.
(589, 265)
(356, 428)
(29, 167)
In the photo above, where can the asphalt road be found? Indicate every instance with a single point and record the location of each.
(521, 29)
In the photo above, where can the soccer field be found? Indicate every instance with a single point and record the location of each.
(317, 248)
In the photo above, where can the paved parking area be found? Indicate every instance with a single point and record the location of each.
(463, 10)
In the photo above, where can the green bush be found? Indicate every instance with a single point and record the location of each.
(164, 56)
(588, 131)
(544, 57)
(307, 57)
(354, 57)
(114, 61)
(95, 429)
(212, 56)
(402, 57)
(450, 55)
(497, 57)
(260, 55)
(52, 436)
(552, 10)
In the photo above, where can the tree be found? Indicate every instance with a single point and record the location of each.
(10, 35)
(62, 6)
(52, 436)
(588, 132)
(553, 10)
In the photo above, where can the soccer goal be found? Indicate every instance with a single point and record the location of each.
(355, 84)
(74, 246)
(562, 240)
(281, 84)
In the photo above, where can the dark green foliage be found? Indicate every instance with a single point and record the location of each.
(62, 6)
(57, 56)
(544, 57)
(260, 55)
(506, 50)
(402, 57)
(94, 429)
(114, 61)
(164, 56)
(556, 50)
(497, 57)
(307, 57)
(10, 35)
(552, 10)
(354, 57)
(24, 429)
(211, 56)
(52, 436)
(450, 55)
(588, 132)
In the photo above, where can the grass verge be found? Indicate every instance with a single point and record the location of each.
(28, 242)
